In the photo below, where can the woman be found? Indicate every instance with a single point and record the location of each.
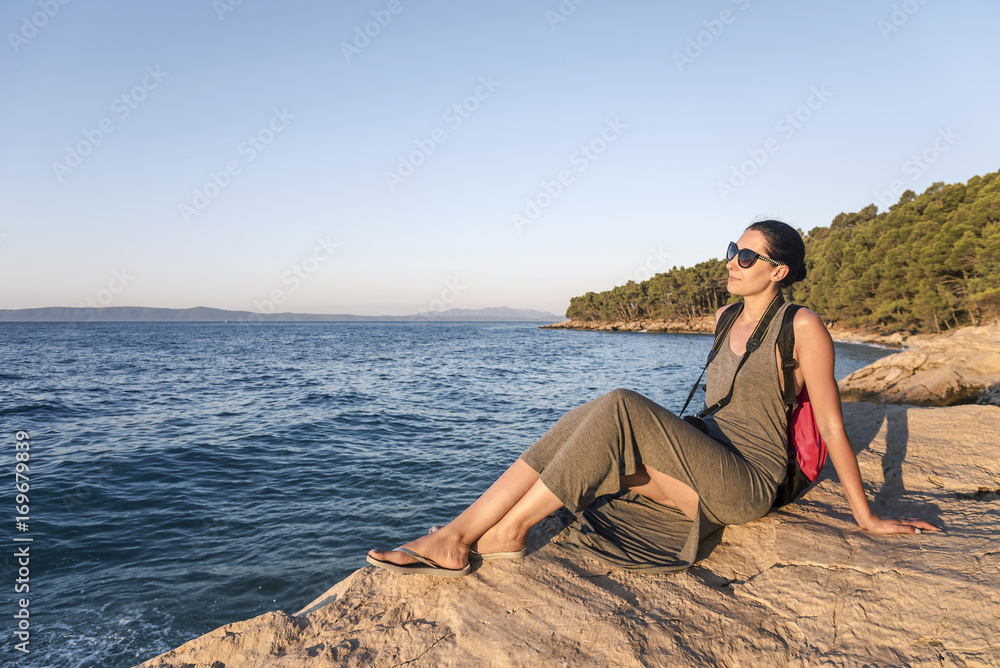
(649, 486)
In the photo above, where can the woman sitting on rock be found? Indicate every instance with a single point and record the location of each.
(647, 485)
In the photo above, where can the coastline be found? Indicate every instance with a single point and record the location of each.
(706, 325)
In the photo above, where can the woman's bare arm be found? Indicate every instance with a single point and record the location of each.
(814, 352)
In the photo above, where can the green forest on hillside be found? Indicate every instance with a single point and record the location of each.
(930, 263)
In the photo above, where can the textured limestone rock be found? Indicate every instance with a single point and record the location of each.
(954, 368)
(803, 586)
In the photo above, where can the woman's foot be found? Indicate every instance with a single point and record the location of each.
(499, 543)
(488, 556)
(421, 566)
(441, 548)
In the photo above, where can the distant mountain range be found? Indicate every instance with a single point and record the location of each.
(204, 314)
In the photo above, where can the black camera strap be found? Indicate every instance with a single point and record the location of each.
(725, 323)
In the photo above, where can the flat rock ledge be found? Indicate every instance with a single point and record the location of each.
(803, 586)
(959, 367)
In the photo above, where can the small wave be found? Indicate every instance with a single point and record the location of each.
(112, 639)
(33, 408)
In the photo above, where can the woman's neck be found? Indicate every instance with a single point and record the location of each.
(755, 305)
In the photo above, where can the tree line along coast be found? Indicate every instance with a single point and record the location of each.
(930, 263)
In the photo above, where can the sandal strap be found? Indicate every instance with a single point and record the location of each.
(416, 556)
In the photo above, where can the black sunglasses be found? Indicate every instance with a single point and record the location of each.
(746, 256)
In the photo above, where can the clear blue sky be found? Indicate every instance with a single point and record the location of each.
(670, 97)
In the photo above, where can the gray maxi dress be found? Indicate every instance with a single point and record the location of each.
(735, 468)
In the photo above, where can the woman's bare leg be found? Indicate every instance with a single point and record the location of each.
(499, 520)
(509, 533)
(449, 546)
(663, 489)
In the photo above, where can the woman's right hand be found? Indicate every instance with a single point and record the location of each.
(886, 526)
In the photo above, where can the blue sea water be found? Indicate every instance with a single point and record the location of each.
(184, 476)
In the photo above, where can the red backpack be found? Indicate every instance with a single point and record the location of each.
(806, 449)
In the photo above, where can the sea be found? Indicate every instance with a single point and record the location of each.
(182, 476)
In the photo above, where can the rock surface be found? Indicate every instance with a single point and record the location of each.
(959, 367)
(803, 586)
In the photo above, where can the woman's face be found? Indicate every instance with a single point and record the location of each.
(760, 276)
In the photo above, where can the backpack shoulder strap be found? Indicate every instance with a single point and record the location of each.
(786, 348)
(726, 320)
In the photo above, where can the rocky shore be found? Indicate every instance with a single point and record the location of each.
(803, 586)
(706, 325)
(959, 367)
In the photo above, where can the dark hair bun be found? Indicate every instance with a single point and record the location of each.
(800, 274)
(784, 244)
